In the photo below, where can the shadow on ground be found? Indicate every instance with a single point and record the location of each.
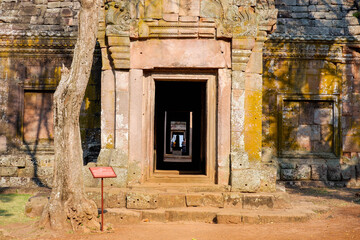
(351, 195)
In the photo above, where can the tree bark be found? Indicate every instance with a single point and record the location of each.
(68, 205)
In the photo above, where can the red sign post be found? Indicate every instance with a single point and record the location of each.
(102, 172)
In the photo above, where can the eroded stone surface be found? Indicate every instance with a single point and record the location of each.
(205, 200)
(141, 200)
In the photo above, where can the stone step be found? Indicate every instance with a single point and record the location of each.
(301, 213)
(118, 198)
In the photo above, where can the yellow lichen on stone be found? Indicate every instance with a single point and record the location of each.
(109, 142)
(253, 124)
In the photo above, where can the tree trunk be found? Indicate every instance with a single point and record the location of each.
(68, 203)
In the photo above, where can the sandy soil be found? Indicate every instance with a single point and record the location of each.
(340, 222)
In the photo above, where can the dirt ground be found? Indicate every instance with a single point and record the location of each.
(340, 222)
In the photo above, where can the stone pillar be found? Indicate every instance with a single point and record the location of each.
(135, 126)
(248, 172)
(223, 124)
(122, 111)
(244, 176)
(107, 109)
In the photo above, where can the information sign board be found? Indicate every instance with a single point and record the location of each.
(102, 172)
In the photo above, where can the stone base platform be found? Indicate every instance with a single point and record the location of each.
(208, 215)
(124, 206)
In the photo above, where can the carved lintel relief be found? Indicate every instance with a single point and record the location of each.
(201, 19)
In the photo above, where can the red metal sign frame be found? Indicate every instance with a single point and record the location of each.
(103, 172)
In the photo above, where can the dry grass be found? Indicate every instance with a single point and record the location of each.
(12, 208)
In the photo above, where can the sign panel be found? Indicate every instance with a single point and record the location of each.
(102, 172)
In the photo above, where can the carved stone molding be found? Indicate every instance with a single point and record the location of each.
(36, 45)
(302, 49)
(117, 22)
(200, 19)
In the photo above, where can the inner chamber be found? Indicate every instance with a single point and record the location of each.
(180, 126)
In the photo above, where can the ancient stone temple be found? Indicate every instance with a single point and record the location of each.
(228, 95)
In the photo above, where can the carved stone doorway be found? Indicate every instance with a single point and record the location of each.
(184, 127)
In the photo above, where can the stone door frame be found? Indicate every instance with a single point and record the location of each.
(154, 175)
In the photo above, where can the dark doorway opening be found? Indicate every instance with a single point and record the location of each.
(180, 126)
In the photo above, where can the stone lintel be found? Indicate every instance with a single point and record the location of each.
(180, 53)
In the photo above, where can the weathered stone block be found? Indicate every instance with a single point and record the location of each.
(247, 180)
(303, 172)
(171, 6)
(3, 144)
(120, 180)
(334, 172)
(13, 160)
(53, 5)
(193, 215)
(122, 216)
(115, 199)
(157, 215)
(258, 202)
(289, 2)
(17, 182)
(171, 200)
(66, 12)
(29, 11)
(287, 164)
(238, 80)
(210, 9)
(153, 9)
(315, 133)
(281, 200)
(348, 172)
(239, 160)
(8, 171)
(299, 15)
(134, 173)
(189, 8)
(351, 144)
(287, 174)
(323, 116)
(26, 172)
(268, 178)
(39, 2)
(171, 17)
(45, 171)
(112, 157)
(319, 172)
(141, 200)
(52, 21)
(233, 199)
(205, 200)
(303, 137)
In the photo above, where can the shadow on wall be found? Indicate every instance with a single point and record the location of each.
(311, 95)
(28, 122)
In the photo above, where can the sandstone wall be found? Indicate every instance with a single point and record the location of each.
(36, 39)
(311, 93)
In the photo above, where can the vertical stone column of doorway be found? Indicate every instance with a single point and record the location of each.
(248, 173)
(114, 98)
